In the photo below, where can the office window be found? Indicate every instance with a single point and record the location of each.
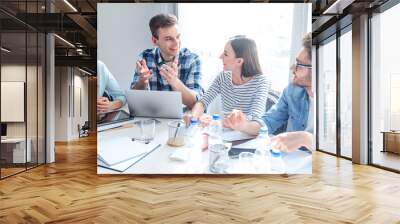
(385, 89)
(22, 79)
(327, 96)
(346, 94)
(273, 38)
(13, 83)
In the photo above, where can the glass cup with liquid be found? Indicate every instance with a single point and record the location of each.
(176, 133)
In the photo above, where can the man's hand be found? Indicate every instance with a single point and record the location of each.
(104, 105)
(143, 71)
(291, 141)
(187, 117)
(235, 120)
(170, 72)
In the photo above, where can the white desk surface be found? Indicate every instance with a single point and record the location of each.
(13, 140)
(158, 161)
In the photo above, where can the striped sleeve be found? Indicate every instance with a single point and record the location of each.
(213, 91)
(259, 100)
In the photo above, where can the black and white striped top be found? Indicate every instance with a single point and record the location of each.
(249, 97)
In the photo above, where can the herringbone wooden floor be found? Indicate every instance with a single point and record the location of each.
(70, 191)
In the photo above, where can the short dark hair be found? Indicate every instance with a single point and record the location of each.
(161, 21)
(307, 44)
(246, 48)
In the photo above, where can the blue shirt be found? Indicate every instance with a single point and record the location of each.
(106, 83)
(292, 108)
(189, 70)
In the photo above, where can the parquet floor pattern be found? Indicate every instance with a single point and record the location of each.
(70, 191)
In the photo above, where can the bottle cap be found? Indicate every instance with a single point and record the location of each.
(216, 117)
(275, 152)
(263, 130)
(193, 121)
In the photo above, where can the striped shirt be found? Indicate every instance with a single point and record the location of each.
(249, 97)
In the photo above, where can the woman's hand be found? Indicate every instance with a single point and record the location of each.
(235, 120)
(196, 112)
(291, 141)
(205, 120)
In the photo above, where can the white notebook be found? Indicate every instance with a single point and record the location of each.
(120, 149)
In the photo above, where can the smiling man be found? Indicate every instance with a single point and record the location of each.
(167, 67)
(294, 107)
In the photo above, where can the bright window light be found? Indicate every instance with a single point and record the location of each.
(207, 28)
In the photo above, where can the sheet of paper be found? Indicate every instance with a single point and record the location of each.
(120, 149)
(180, 154)
(120, 167)
(231, 135)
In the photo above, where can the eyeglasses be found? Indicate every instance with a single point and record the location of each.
(296, 65)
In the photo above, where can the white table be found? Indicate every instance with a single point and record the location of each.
(159, 162)
(19, 149)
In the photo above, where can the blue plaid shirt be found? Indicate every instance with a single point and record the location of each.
(189, 71)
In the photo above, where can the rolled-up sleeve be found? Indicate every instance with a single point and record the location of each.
(114, 90)
(278, 115)
(110, 84)
(135, 79)
(194, 78)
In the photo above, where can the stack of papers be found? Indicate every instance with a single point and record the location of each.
(120, 153)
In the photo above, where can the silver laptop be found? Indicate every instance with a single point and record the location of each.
(161, 104)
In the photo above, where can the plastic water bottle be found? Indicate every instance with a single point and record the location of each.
(263, 140)
(215, 125)
(195, 134)
(216, 148)
(196, 139)
(193, 128)
(262, 156)
(277, 164)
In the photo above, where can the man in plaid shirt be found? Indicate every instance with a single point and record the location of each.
(167, 67)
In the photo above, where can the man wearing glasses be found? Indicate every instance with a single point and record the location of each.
(294, 107)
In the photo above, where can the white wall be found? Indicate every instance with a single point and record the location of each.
(12, 73)
(123, 33)
(61, 104)
(69, 85)
(33, 126)
(80, 103)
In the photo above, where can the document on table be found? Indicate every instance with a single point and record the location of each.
(121, 167)
(232, 135)
(117, 150)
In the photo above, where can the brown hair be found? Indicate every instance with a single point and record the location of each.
(307, 42)
(161, 21)
(246, 48)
